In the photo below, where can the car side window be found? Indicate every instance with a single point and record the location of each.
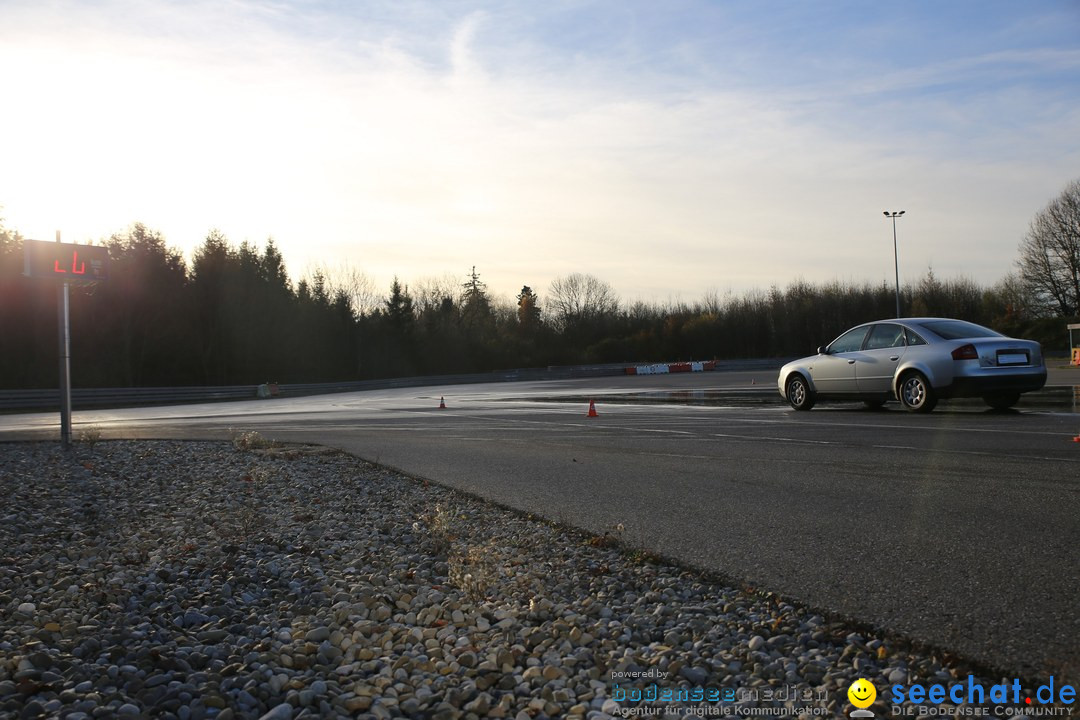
(913, 337)
(850, 341)
(885, 335)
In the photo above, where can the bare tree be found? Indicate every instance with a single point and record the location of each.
(434, 293)
(578, 299)
(1009, 293)
(356, 285)
(1050, 255)
(712, 303)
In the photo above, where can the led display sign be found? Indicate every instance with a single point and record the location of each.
(74, 263)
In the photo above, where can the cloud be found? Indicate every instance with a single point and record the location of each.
(417, 139)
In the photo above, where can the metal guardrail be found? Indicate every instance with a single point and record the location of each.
(88, 398)
(121, 397)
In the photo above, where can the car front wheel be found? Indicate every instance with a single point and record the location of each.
(916, 394)
(799, 393)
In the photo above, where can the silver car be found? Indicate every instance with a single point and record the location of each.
(916, 361)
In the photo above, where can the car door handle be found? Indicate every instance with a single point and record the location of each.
(894, 358)
(850, 362)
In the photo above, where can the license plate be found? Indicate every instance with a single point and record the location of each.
(1012, 358)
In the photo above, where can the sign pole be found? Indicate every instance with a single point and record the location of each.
(69, 264)
(63, 303)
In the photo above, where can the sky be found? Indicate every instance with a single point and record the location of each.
(671, 149)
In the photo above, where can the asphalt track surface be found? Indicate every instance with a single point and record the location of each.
(959, 529)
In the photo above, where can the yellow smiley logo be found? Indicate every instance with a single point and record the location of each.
(862, 693)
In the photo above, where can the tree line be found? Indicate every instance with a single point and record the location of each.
(233, 316)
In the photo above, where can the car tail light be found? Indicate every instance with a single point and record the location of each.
(965, 352)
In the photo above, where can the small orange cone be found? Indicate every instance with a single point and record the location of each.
(442, 403)
(592, 410)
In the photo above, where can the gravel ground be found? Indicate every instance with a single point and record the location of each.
(232, 580)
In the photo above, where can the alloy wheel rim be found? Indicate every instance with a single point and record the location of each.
(914, 392)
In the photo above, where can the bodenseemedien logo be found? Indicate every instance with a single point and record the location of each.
(862, 695)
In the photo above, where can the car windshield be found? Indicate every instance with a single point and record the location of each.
(958, 329)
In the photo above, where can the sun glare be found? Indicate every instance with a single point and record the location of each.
(482, 139)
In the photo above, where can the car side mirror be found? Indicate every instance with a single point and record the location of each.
(822, 350)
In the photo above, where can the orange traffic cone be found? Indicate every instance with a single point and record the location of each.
(592, 410)
(442, 403)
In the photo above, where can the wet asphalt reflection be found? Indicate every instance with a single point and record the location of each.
(1054, 399)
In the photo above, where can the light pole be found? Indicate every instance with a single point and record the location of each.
(896, 259)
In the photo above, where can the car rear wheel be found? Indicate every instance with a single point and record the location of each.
(916, 394)
(799, 393)
(1003, 400)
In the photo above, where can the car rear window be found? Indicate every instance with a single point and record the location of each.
(958, 329)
